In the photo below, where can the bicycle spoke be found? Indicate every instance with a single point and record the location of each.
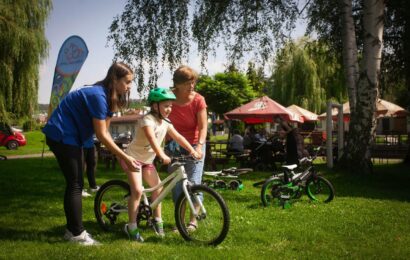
(211, 225)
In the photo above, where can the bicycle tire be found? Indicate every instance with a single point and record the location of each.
(111, 205)
(270, 194)
(320, 189)
(212, 226)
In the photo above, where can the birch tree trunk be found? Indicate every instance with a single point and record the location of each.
(362, 114)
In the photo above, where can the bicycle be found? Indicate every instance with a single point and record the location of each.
(281, 188)
(226, 178)
(208, 207)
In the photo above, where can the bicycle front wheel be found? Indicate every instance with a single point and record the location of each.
(270, 192)
(111, 205)
(320, 189)
(211, 224)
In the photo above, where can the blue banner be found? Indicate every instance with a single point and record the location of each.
(70, 59)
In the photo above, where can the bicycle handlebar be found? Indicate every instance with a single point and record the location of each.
(310, 159)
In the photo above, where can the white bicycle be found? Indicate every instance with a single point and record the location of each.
(208, 207)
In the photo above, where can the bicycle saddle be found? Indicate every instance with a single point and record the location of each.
(290, 166)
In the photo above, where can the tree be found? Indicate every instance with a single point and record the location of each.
(306, 74)
(225, 91)
(256, 78)
(148, 31)
(23, 42)
(363, 83)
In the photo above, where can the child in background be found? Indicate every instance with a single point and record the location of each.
(149, 135)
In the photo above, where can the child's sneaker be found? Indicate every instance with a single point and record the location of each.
(133, 234)
(95, 189)
(83, 239)
(85, 194)
(191, 227)
(159, 229)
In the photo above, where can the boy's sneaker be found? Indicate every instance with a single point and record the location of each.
(85, 194)
(133, 234)
(159, 229)
(95, 189)
(83, 239)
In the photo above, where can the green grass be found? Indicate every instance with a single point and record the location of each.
(34, 145)
(368, 219)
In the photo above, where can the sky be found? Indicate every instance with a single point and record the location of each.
(90, 19)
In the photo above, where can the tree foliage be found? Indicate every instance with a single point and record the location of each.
(225, 91)
(324, 19)
(256, 77)
(307, 74)
(152, 33)
(23, 46)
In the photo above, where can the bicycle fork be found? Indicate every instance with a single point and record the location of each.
(185, 184)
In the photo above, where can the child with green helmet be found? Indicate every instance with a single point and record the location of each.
(150, 133)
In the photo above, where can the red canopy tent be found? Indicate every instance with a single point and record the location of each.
(262, 110)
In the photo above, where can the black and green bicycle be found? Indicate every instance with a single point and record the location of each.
(281, 189)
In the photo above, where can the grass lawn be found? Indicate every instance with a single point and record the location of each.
(369, 218)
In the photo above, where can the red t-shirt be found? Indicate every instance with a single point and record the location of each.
(185, 118)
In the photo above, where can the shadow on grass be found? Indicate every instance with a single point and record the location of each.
(388, 182)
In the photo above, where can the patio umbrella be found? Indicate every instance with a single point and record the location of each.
(383, 109)
(305, 114)
(262, 110)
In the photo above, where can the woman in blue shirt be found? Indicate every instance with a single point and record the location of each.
(79, 115)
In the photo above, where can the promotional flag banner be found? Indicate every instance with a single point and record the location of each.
(70, 59)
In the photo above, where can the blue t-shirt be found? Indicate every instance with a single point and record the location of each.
(71, 122)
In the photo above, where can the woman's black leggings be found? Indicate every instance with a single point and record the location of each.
(70, 160)
(90, 163)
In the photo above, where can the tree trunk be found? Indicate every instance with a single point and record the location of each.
(362, 112)
(350, 62)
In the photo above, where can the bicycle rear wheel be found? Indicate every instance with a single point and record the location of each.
(270, 192)
(212, 223)
(111, 205)
(320, 189)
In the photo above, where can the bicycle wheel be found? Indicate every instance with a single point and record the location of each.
(212, 223)
(111, 205)
(270, 192)
(320, 189)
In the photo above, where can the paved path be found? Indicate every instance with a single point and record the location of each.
(37, 155)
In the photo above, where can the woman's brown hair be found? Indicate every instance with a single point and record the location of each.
(184, 74)
(115, 72)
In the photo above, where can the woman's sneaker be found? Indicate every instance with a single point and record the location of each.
(83, 239)
(85, 194)
(159, 229)
(93, 190)
(133, 234)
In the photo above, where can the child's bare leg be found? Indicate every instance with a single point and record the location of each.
(135, 181)
(151, 177)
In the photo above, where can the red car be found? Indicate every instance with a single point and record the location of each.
(11, 137)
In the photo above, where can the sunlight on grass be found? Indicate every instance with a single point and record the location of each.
(367, 219)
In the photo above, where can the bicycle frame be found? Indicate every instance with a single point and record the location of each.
(178, 175)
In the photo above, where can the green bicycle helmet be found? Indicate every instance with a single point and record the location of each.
(160, 94)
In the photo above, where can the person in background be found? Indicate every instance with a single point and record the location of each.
(90, 165)
(149, 135)
(189, 116)
(235, 142)
(295, 149)
(79, 115)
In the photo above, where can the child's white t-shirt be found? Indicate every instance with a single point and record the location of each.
(140, 148)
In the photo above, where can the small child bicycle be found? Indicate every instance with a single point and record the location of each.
(225, 179)
(281, 188)
(208, 207)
